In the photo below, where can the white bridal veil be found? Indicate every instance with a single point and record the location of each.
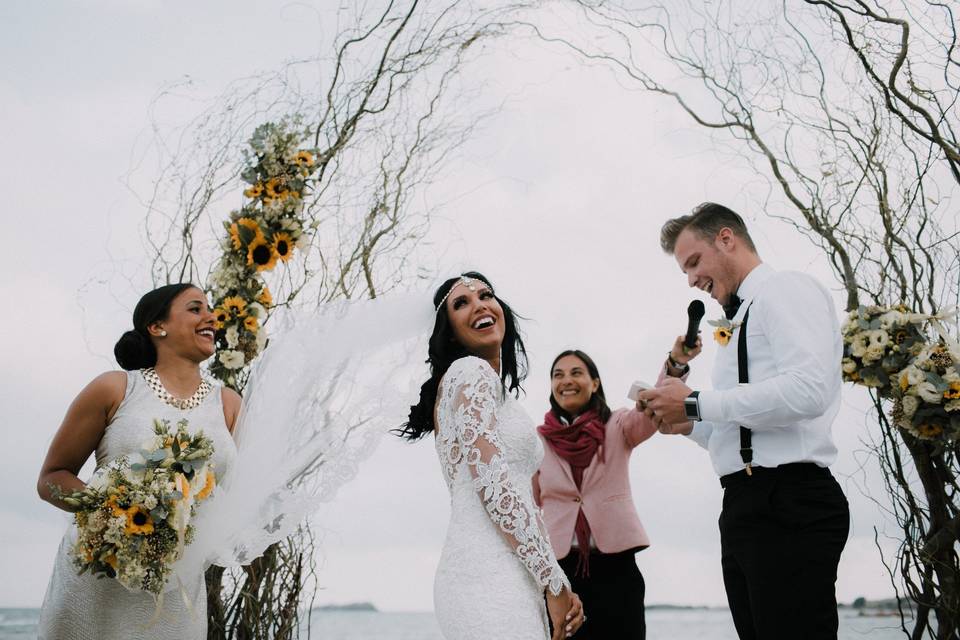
(328, 385)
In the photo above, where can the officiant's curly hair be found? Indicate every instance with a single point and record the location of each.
(444, 350)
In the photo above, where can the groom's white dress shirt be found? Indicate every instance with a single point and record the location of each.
(794, 351)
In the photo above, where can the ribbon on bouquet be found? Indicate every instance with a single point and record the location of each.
(936, 321)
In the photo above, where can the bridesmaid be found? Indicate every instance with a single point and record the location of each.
(113, 416)
(583, 486)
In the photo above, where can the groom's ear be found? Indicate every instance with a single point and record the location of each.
(726, 240)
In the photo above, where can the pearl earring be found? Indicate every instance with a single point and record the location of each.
(163, 333)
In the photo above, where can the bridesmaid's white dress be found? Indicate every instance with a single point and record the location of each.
(82, 607)
(496, 562)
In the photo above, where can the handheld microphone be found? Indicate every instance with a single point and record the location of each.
(694, 314)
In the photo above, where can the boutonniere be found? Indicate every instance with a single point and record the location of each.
(724, 330)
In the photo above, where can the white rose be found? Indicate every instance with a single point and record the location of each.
(891, 318)
(257, 310)
(232, 336)
(928, 393)
(879, 338)
(859, 344)
(873, 354)
(231, 359)
(912, 376)
(849, 366)
(910, 404)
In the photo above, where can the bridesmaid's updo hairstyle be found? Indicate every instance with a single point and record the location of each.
(134, 349)
(444, 350)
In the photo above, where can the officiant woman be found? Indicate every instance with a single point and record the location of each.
(583, 486)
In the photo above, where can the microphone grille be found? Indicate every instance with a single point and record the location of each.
(696, 310)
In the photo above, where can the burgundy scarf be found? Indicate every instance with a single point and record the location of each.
(577, 443)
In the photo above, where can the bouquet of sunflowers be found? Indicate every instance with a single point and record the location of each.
(133, 518)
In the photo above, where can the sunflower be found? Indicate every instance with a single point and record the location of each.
(722, 335)
(115, 509)
(235, 305)
(929, 431)
(208, 486)
(139, 521)
(283, 245)
(265, 297)
(220, 317)
(304, 159)
(255, 191)
(261, 255)
(275, 188)
(244, 231)
(251, 324)
(953, 392)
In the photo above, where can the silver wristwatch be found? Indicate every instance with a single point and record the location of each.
(691, 406)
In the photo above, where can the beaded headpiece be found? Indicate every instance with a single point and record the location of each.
(467, 281)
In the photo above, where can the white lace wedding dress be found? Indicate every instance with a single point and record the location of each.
(496, 561)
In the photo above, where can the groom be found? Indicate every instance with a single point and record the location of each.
(767, 425)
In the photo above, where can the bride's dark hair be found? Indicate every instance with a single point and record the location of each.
(134, 349)
(444, 350)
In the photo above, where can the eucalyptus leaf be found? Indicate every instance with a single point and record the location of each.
(156, 456)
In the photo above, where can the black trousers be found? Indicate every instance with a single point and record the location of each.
(612, 596)
(781, 534)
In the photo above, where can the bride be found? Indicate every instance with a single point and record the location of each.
(497, 566)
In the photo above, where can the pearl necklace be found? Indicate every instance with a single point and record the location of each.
(153, 381)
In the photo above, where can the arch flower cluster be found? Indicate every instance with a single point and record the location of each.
(885, 348)
(263, 234)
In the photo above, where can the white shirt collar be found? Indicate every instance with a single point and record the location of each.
(751, 285)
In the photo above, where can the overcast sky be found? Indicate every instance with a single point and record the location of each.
(558, 199)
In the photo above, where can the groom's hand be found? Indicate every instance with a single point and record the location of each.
(683, 429)
(665, 403)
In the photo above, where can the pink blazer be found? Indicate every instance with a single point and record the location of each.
(605, 495)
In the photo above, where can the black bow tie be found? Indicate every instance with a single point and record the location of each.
(733, 305)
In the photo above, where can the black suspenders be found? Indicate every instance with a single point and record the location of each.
(746, 436)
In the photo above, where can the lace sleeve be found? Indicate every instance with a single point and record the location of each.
(468, 429)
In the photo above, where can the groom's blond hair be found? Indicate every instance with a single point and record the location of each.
(706, 220)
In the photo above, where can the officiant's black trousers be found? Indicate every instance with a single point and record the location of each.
(781, 534)
(612, 596)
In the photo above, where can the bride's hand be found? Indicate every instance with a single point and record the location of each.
(566, 613)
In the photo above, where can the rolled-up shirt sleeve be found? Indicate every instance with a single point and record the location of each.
(798, 321)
